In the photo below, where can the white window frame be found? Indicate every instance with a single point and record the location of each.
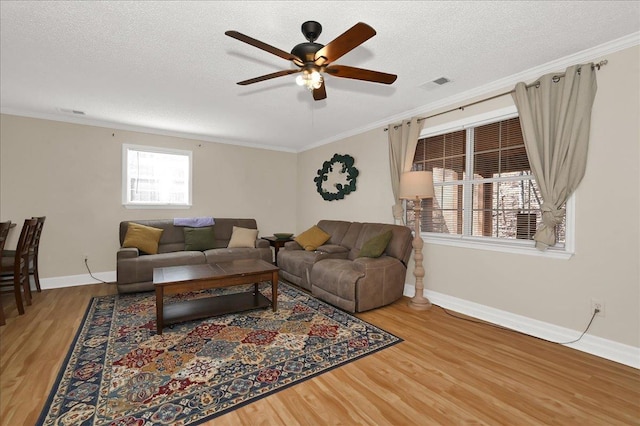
(139, 205)
(526, 247)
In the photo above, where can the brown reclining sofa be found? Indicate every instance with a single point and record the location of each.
(335, 272)
(135, 270)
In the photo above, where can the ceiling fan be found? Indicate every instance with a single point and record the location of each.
(314, 59)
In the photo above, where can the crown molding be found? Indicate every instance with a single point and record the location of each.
(505, 83)
(139, 129)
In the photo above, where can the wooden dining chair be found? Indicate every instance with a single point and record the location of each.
(33, 252)
(4, 233)
(15, 269)
(35, 248)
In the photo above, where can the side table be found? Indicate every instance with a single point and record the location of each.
(276, 243)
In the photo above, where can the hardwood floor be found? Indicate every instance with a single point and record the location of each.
(446, 372)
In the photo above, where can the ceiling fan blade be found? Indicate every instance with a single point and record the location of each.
(360, 74)
(267, 77)
(320, 93)
(264, 46)
(345, 42)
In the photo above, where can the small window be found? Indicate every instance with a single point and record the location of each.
(485, 192)
(155, 177)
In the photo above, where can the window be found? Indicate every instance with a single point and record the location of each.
(484, 189)
(155, 177)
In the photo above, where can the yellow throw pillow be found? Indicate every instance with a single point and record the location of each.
(144, 238)
(243, 237)
(312, 238)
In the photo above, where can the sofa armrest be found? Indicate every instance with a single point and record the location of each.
(260, 243)
(334, 249)
(365, 264)
(292, 245)
(127, 253)
(331, 251)
(382, 281)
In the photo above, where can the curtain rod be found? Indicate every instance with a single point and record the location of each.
(556, 78)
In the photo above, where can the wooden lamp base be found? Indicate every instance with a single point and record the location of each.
(418, 301)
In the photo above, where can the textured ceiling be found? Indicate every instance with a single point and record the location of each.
(168, 66)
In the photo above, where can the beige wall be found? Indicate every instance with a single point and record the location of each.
(555, 291)
(72, 174)
(372, 200)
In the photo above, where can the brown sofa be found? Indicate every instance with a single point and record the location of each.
(335, 273)
(135, 270)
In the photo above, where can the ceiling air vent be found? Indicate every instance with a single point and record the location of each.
(434, 84)
(72, 111)
(442, 80)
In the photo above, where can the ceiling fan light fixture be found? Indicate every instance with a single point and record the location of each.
(316, 84)
(310, 79)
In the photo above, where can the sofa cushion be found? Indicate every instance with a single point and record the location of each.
(295, 264)
(199, 238)
(140, 269)
(334, 249)
(374, 247)
(399, 246)
(243, 237)
(312, 238)
(337, 276)
(336, 228)
(144, 238)
(218, 255)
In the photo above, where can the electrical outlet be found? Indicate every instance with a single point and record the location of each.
(85, 257)
(599, 305)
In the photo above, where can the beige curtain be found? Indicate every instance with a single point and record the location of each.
(403, 138)
(555, 116)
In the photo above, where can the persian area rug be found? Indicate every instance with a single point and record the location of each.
(119, 371)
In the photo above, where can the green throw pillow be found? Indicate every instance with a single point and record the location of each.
(376, 245)
(199, 239)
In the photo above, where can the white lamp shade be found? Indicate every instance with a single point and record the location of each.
(416, 185)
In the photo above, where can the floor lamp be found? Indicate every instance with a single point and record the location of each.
(417, 186)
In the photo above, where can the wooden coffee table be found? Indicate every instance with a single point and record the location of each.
(182, 279)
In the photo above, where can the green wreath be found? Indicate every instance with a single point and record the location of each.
(342, 164)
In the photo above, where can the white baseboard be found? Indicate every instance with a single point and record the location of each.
(608, 349)
(75, 280)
